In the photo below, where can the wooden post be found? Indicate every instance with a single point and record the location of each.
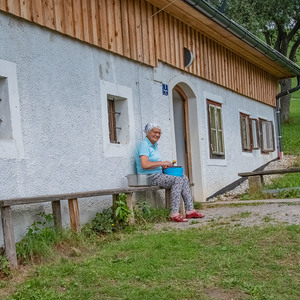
(129, 203)
(255, 184)
(115, 198)
(56, 210)
(8, 236)
(168, 198)
(182, 208)
(74, 214)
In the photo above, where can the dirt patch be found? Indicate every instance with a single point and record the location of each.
(220, 294)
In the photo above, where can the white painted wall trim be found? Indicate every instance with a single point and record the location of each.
(110, 149)
(13, 147)
(219, 99)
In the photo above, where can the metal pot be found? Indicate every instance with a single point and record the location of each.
(139, 179)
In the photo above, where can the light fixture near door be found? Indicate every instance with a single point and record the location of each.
(188, 57)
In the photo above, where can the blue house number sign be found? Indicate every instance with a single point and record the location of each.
(165, 89)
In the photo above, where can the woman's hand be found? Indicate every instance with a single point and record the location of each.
(166, 164)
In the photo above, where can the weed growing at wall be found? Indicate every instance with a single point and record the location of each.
(40, 237)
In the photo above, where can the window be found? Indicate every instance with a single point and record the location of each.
(249, 133)
(266, 136)
(11, 143)
(117, 119)
(255, 134)
(216, 136)
(245, 132)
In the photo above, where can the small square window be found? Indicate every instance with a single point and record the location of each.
(117, 119)
(215, 124)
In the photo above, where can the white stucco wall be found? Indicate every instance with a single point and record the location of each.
(64, 132)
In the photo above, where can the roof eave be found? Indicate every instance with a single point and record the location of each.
(244, 34)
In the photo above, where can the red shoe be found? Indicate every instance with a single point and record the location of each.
(178, 218)
(194, 215)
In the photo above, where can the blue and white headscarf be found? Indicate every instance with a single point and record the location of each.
(150, 126)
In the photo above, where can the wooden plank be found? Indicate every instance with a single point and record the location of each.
(56, 210)
(103, 31)
(202, 62)
(270, 172)
(48, 198)
(193, 49)
(13, 7)
(156, 35)
(205, 53)
(78, 19)
(110, 25)
(48, 13)
(3, 5)
(139, 42)
(172, 42)
(152, 52)
(118, 40)
(129, 202)
(144, 27)
(37, 12)
(93, 24)
(125, 28)
(167, 38)
(59, 15)
(74, 215)
(197, 60)
(180, 45)
(68, 7)
(8, 236)
(132, 30)
(161, 25)
(26, 10)
(85, 20)
(176, 52)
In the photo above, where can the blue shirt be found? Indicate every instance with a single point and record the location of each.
(146, 148)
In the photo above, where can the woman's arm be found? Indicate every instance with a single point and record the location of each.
(146, 164)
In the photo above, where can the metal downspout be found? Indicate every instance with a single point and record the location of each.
(278, 96)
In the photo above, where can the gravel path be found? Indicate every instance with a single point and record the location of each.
(250, 214)
(226, 210)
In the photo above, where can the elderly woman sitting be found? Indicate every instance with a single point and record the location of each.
(148, 161)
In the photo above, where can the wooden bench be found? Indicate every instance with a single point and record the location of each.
(6, 215)
(256, 179)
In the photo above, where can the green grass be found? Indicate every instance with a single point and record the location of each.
(291, 131)
(259, 263)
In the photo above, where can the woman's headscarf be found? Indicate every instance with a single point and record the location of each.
(150, 126)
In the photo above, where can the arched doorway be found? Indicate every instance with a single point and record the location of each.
(181, 128)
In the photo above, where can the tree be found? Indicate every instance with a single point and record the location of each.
(277, 22)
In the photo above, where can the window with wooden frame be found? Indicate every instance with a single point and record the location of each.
(246, 132)
(215, 125)
(249, 133)
(267, 141)
(255, 133)
(118, 123)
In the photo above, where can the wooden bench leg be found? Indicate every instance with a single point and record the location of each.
(56, 210)
(255, 184)
(8, 236)
(74, 215)
(129, 202)
(115, 198)
(182, 208)
(168, 198)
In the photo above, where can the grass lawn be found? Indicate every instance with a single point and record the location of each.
(199, 263)
(291, 131)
